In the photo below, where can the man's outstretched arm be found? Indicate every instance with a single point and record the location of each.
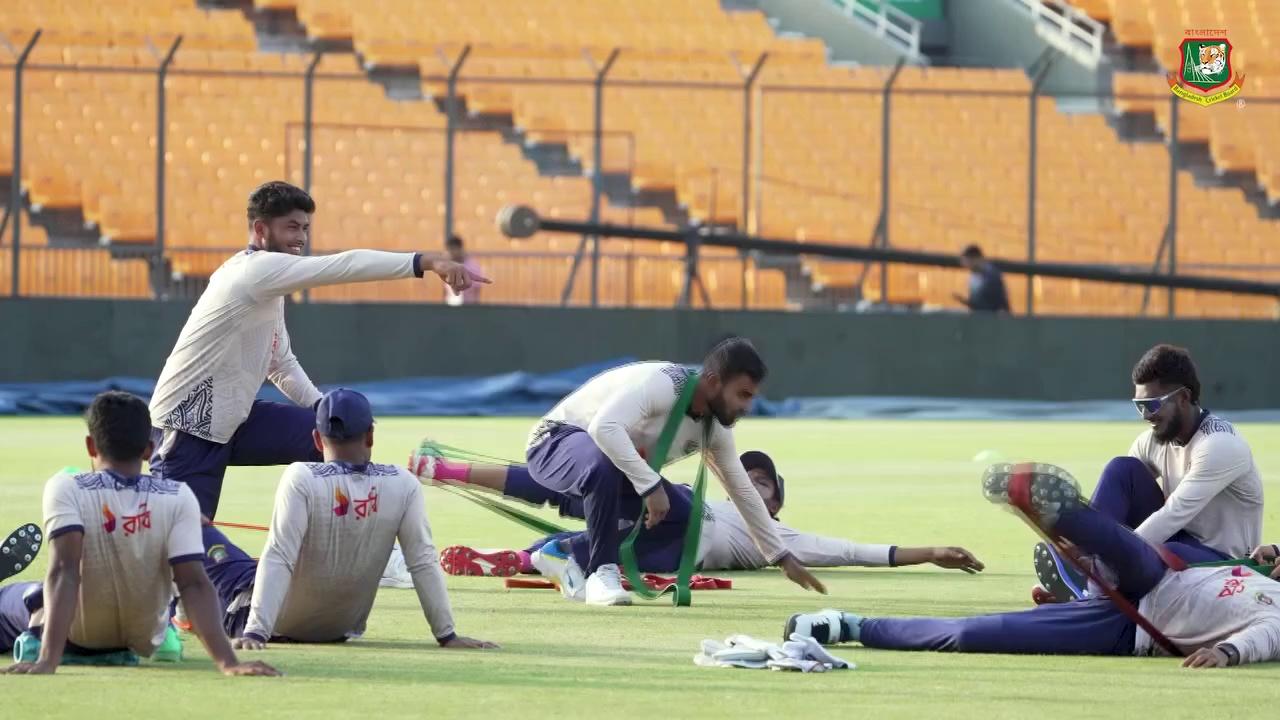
(278, 274)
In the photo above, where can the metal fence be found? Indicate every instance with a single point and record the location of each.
(165, 203)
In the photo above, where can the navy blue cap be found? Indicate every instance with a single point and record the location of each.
(756, 460)
(343, 414)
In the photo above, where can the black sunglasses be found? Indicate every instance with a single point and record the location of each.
(1151, 406)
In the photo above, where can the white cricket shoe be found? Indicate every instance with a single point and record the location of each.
(604, 587)
(396, 574)
(560, 568)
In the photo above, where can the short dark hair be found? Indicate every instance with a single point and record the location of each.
(120, 425)
(735, 356)
(972, 252)
(453, 241)
(1168, 365)
(277, 198)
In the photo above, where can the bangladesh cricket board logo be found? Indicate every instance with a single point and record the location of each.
(1207, 76)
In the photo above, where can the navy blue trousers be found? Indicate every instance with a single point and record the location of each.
(273, 434)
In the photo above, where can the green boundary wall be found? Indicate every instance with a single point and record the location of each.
(809, 354)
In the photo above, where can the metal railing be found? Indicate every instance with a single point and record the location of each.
(604, 165)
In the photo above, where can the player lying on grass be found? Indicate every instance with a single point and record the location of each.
(331, 533)
(725, 542)
(121, 541)
(1212, 492)
(203, 406)
(593, 444)
(1219, 616)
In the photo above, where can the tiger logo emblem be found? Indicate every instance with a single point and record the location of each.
(1213, 59)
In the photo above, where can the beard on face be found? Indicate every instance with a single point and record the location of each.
(1167, 431)
(720, 409)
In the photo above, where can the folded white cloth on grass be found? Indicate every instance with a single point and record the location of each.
(743, 651)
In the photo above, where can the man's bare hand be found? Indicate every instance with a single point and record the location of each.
(456, 275)
(956, 558)
(465, 643)
(800, 575)
(27, 668)
(254, 668)
(658, 505)
(1206, 657)
(248, 643)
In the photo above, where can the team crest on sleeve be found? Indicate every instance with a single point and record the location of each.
(1207, 76)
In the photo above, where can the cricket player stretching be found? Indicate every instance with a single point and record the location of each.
(1212, 491)
(725, 543)
(1218, 616)
(204, 403)
(331, 533)
(593, 445)
(121, 540)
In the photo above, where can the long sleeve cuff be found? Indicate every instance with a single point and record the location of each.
(447, 639)
(255, 636)
(893, 556)
(418, 270)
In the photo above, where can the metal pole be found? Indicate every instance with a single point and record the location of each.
(451, 128)
(885, 137)
(597, 177)
(15, 184)
(1173, 197)
(161, 131)
(308, 122)
(308, 148)
(1033, 141)
(746, 140)
(747, 226)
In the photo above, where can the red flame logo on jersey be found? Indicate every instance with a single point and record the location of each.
(343, 503)
(108, 519)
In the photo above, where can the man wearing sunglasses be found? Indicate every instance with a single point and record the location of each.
(1190, 478)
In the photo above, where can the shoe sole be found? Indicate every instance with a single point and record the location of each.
(1062, 581)
(1038, 490)
(464, 561)
(19, 550)
(611, 602)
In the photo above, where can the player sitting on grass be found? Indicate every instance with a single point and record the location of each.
(1212, 493)
(121, 541)
(1221, 616)
(203, 405)
(331, 533)
(725, 545)
(593, 444)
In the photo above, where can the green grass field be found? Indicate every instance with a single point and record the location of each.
(881, 481)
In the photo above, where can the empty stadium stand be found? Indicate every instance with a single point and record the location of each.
(674, 115)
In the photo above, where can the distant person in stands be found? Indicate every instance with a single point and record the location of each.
(986, 283)
(458, 254)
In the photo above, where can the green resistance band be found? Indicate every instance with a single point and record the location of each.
(683, 594)
(510, 512)
(1244, 562)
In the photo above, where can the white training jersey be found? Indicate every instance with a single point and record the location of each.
(235, 337)
(726, 545)
(134, 529)
(332, 531)
(1212, 487)
(624, 411)
(1202, 607)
